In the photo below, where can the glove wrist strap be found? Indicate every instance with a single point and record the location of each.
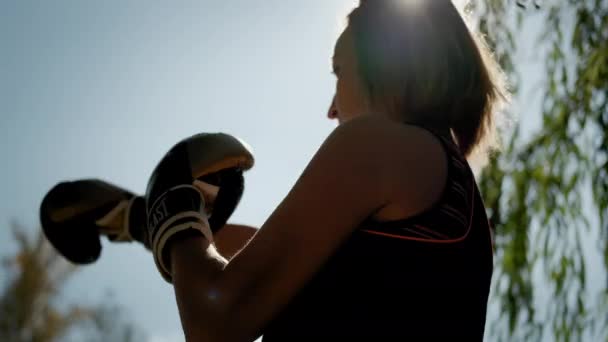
(177, 210)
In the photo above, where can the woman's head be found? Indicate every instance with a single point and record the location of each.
(417, 62)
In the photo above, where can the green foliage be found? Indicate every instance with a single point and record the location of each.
(107, 323)
(28, 303)
(536, 189)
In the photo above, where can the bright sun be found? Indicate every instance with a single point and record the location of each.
(411, 5)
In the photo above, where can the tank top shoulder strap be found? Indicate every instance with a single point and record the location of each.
(450, 218)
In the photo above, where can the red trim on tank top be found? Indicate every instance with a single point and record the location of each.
(431, 240)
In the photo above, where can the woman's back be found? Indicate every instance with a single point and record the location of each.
(424, 277)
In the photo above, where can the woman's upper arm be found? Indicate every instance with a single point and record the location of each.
(346, 181)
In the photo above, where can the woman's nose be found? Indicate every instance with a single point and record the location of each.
(332, 113)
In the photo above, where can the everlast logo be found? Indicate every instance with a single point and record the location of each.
(158, 214)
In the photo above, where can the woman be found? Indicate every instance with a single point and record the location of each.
(384, 236)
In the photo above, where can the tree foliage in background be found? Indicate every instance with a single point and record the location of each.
(31, 307)
(548, 190)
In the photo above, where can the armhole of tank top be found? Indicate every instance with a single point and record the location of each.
(399, 228)
(441, 197)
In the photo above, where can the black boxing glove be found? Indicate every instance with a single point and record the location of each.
(175, 203)
(75, 214)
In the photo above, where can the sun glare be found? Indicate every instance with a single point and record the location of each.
(460, 4)
(408, 5)
(413, 5)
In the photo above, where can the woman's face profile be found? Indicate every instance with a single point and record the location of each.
(349, 99)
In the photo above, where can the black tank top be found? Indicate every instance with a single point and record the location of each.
(423, 278)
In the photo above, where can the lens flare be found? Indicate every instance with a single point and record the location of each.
(414, 5)
(411, 6)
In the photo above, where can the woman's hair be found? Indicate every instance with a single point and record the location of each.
(418, 59)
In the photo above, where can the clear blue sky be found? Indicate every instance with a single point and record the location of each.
(103, 88)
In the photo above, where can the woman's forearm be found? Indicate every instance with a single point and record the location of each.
(195, 267)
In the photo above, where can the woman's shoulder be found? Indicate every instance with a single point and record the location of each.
(420, 176)
(411, 161)
(413, 145)
(381, 130)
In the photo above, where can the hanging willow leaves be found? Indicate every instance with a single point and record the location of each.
(547, 192)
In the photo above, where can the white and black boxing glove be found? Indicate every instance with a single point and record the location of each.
(175, 204)
(75, 214)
